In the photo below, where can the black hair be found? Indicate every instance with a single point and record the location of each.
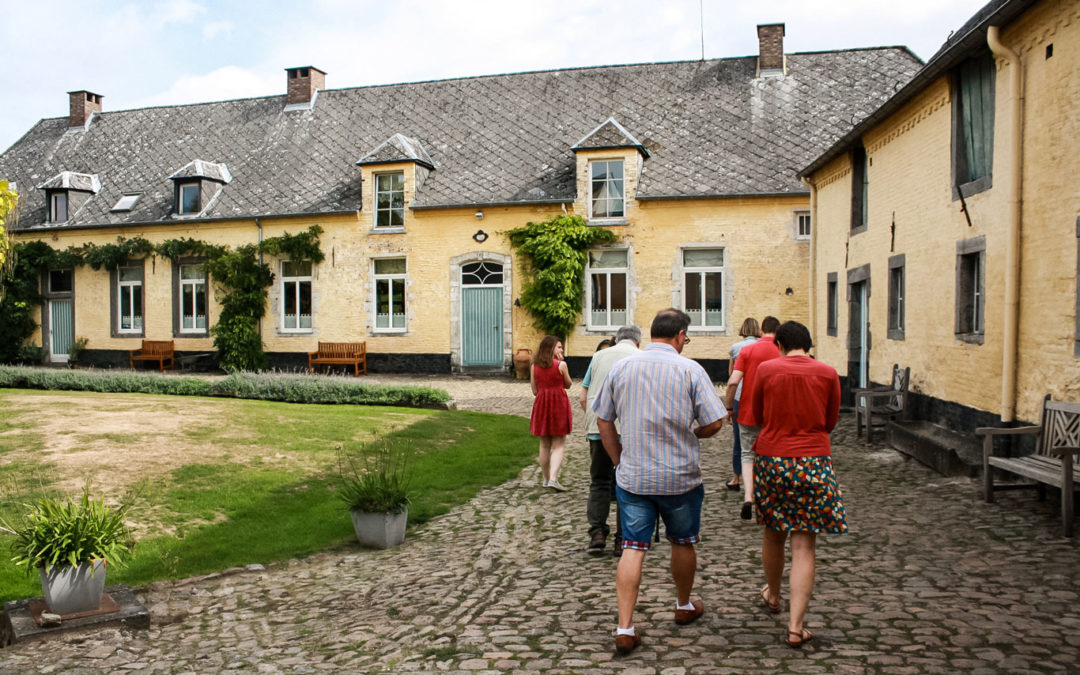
(669, 323)
(793, 335)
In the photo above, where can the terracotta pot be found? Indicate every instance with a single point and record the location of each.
(522, 360)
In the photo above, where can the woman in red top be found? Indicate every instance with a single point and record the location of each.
(551, 414)
(797, 400)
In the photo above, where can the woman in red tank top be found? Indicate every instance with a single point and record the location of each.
(552, 417)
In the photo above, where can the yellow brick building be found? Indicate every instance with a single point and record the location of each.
(414, 186)
(947, 225)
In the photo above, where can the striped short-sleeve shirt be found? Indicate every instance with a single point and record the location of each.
(657, 395)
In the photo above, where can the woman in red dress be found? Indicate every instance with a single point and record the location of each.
(551, 415)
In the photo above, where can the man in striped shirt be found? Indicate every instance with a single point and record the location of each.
(657, 395)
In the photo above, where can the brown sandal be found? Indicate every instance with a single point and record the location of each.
(773, 608)
(804, 637)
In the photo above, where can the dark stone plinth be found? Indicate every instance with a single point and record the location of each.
(119, 608)
(948, 452)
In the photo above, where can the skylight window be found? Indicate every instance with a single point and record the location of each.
(127, 202)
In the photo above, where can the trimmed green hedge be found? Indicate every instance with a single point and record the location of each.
(265, 386)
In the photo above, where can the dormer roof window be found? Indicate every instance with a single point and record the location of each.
(197, 186)
(127, 202)
(608, 136)
(398, 148)
(66, 192)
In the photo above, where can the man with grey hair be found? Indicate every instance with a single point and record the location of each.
(601, 470)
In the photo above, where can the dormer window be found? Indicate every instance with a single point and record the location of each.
(58, 207)
(606, 189)
(189, 198)
(390, 199)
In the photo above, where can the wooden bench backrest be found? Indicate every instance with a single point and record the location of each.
(1060, 425)
(156, 347)
(900, 381)
(342, 349)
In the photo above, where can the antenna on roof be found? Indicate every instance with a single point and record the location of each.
(701, 17)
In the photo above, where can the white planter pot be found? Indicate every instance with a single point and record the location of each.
(380, 530)
(70, 590)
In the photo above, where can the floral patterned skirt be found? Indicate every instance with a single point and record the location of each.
(798, 494)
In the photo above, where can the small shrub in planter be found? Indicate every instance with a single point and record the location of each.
(70, 543)
(375, 487)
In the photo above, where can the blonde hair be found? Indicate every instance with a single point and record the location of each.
(750, 328)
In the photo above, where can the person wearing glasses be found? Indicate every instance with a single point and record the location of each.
(657, 395)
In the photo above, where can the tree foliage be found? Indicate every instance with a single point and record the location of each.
(554, 255)
(8, 200)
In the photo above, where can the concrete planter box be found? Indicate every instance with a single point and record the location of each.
(380, 530)
(71, 590)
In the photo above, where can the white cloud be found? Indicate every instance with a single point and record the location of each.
(176, 11)
(215, 28)
(229, 82)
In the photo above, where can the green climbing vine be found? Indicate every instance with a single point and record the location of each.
(554, 255)
(240, 277)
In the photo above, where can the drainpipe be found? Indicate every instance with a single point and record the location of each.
(1014, 188)
(259, 225)
(813, 257)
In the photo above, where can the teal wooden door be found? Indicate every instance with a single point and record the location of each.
(61, 329)
(481, 326)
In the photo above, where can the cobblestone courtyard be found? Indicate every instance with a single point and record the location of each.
(930, 579)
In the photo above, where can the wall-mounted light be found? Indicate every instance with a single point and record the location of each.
(480, 237)
(517, 302)
(789, 291)
(479, 214)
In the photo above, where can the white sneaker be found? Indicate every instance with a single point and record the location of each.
(556, 485)
(546, 483)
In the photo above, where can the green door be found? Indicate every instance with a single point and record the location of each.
(482, 314)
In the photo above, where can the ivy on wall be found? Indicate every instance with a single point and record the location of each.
(554, 255)
(240, 277)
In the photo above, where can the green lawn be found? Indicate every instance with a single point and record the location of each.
(219, 483)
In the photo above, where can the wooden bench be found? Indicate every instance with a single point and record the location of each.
(884, 403)
(1058, 440)
(153, 350)
(340, 353)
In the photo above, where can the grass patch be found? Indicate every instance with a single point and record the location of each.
(264, 486)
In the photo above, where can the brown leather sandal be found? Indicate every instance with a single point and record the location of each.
(773, 608)
(804, 637)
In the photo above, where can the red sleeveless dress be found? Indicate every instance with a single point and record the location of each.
(551, 413)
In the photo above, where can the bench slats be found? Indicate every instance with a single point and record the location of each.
(340, 353)
(153, 350)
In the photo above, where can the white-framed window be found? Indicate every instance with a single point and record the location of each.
(390, 199)
(193, 298)
(390, 275)
(129, 300)
(58, 207)
(607, 285)
(802, 224)
(703, 287)
(189, 198)
(296, 296)
(606, 189)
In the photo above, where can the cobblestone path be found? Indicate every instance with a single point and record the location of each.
(930, 579)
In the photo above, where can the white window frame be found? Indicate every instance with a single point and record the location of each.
(590, 272)
(295, 281)
(701, 272)
(180, 189)
(390, 209)
(128, 288)
(622, 185)
(392, 279)
(191, 285)
(800, 218)
(54, 200)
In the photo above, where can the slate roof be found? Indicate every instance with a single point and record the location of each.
(203, 169)
(711, 128)
(69, 180)
(398, 148)
(964, 42)
(610, 134)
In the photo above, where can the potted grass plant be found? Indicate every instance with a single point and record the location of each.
(71, 543)
(375, 487)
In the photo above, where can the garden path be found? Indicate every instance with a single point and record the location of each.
(930, 579)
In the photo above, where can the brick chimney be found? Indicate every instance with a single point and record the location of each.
(770, 46)
(303, 83)
(82, 104)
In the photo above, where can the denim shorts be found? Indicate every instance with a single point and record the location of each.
(681, 515)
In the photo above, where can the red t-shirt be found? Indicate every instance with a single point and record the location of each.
(798, 401)
(749, 359)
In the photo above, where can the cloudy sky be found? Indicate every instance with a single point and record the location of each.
(167, 52)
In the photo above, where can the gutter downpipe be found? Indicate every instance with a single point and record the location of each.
(259, 225)
(813, 258)
(1012, 250)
